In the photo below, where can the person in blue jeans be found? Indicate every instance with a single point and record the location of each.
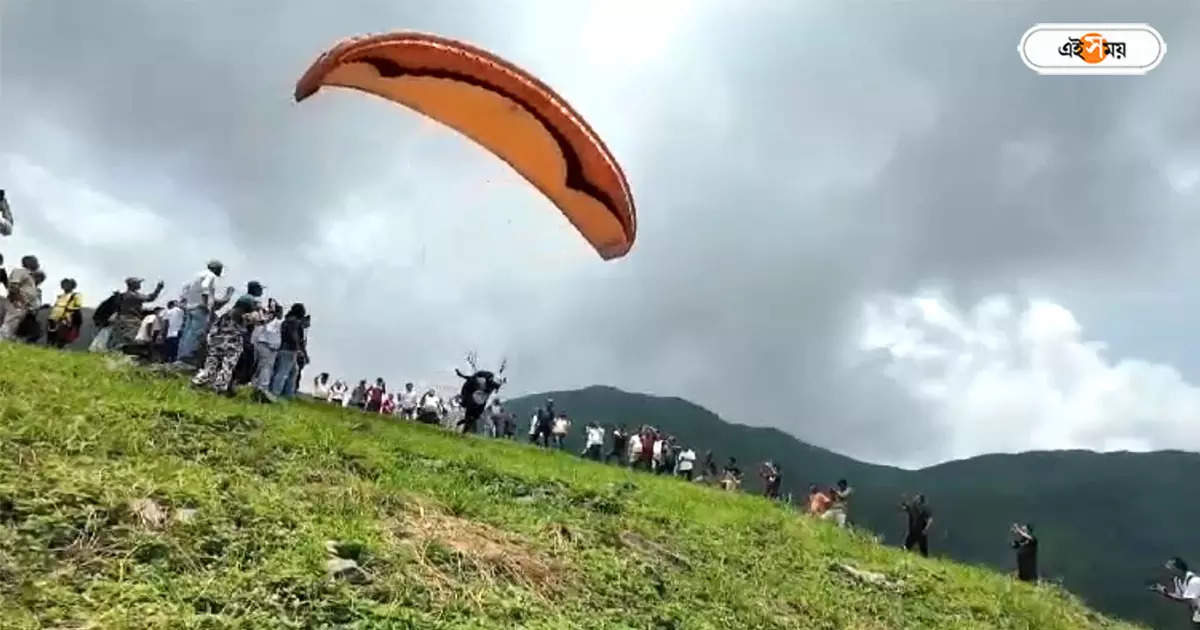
(291, 345)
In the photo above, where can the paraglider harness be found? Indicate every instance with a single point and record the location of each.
(105, 311)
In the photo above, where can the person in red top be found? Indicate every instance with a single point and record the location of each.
(375, 395)
(389, 405)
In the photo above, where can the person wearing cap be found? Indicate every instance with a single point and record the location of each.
(224, 348)
(291, 345)
(1185, 588)
(199, 301)
(22, 297)
(130, 306)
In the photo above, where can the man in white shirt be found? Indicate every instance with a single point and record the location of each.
(145, 332)
(408, 402)
(1185, 588)
(173, 318)
(686, 463)
(594, 441)
(199, 300)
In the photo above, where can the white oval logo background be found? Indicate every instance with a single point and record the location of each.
(1045, 49)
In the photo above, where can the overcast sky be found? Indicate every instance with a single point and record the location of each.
(870, 226)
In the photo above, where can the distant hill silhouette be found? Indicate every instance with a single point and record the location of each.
(1105, 522)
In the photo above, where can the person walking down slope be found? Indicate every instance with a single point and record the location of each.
(224, 348)
(22, 297)
(66, 317)
(562, 425)
(920, 519)
(1026, 545)
(594, 441)
(839, 498)
(1185, 588)
(620, 437)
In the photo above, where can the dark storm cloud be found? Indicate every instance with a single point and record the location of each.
(787, 164)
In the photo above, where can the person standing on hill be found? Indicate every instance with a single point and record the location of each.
(1026, 545)
(594, 441)
(772, 479)
(430, 407)
(375, 394)
(408, 402)
(66, 317)
(338, 393)
(818, 501)
(358, 396)
(1185, 588)
(620, 436)
(130, 313)
(321, 386)
(22, 297)
(291, 345)
(174, 320)
(920, 519)
(266, 340)
(839, 497)
(687, 462)
(224, 348)
(544, 423)
(199, 301)
(562, 425)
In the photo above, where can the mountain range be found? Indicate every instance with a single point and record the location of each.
(1105, 522)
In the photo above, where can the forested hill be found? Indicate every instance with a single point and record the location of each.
(1106, 522)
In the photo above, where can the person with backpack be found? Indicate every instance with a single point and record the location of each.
(66, 316)
(130, 312)
(102, 320)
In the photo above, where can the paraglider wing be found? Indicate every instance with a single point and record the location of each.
(501, 107)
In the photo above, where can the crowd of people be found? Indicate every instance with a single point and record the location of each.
(228, 343)
(257, 343)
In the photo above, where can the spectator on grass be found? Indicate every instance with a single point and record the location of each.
(687, 462)
(408, 402)
(375, 394)
(30, 329)
(358, 396)
(224, 348)
(131, 313)
(291, 345)
(920, 519)
(66, 317)
(620, 436)
(22, 297)
(339, 394)
(266, 340)
(174, 326)
(321, 386)
(544, 423)
(388, 407)
(772, 479)
(1026, 545)
(635, 450)
(594, 441)
(562, 425)
(199, 301)
(430, 407)
(839, 497)
(818, 501)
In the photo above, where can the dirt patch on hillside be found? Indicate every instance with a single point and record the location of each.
(455, 552)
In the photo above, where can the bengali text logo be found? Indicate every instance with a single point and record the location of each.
(1081, 49)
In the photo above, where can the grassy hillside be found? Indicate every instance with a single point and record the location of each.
(128, 501)
(1105, 521)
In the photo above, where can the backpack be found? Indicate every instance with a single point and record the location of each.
(106, 310)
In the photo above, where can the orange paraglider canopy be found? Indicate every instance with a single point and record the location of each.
(501, 107)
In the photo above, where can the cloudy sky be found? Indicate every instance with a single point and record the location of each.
(871, 226)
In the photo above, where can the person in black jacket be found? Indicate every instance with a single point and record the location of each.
(1026, 545)
(291, 345)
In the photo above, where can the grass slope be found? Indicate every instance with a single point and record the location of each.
(454, 532)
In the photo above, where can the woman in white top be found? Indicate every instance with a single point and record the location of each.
(635, 448)
(337, 393)
(321, 386)
(687, 462)
(559, 432)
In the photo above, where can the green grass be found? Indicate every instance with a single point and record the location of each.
(454, 532)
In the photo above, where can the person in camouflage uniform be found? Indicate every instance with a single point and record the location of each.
(224, 347)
